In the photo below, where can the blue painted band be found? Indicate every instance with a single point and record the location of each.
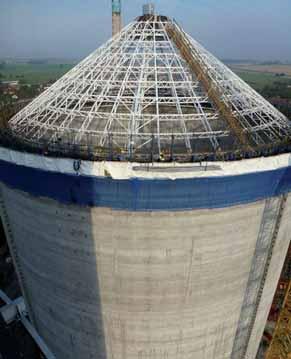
(144, 194)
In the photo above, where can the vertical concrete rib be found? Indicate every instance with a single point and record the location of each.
(275, 267)
(267, 237)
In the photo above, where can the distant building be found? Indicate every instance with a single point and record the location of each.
(10, 85)
(277, 101)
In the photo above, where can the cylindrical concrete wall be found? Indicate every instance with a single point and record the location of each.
(105, 282)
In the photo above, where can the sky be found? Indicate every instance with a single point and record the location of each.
(72, 29)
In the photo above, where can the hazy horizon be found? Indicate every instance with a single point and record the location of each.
(71, 29)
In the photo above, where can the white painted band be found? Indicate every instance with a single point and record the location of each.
(126, 170)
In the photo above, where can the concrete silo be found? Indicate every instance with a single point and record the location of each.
(145, 197)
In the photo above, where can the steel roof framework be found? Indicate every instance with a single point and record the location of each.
(137, 89)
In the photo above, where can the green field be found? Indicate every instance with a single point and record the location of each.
(36, 74)
(259, 80)
(33, 73)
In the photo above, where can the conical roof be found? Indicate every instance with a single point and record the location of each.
(151, 92)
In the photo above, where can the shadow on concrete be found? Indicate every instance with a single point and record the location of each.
(58, 255)
(15, 342)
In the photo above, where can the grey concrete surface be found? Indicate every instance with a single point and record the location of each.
(277, 261)
(267, 237)
(110, 284)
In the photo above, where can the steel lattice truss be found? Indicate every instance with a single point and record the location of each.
(137, 93)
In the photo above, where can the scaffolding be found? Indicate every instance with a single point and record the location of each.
(280, 345)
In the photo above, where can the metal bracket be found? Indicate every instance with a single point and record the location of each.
(14, 310)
